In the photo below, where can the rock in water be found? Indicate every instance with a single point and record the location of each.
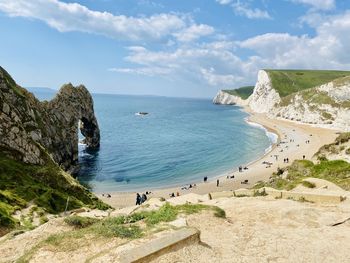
(31, 130)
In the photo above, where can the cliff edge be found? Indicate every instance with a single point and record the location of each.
(320, 98)
(30, 129)
(38, 141)
(317, 97)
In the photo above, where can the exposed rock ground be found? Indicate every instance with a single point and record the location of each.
(256, 229)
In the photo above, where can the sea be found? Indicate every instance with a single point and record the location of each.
(179, 141)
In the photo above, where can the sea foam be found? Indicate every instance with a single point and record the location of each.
(273, 137)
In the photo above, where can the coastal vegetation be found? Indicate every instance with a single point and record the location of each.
(38, 143)
(286, 82)
(117, 229)
(46, 186)
(243, 92)
(340, 145)
(335, 171)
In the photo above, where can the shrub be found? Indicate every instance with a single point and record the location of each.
(166, 213)
(127, 231)
(322, 158)
(219, 212)
(347, 151)
(191, 208)
(79, 221)
(308, 184)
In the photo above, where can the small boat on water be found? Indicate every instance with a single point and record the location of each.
(141, 113)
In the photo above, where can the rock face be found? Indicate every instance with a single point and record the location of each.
(327, 105)
(225, 98)
(31, 130)
(264, 97)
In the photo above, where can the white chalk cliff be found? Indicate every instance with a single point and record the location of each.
(325, 106)
(227, 99)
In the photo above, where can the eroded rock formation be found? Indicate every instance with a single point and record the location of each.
(326, 105)
(31, 130)
(227, 99)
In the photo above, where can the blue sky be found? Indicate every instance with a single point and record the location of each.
(183, 48)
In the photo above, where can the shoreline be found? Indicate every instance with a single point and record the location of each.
(257, 171)
(212, 176)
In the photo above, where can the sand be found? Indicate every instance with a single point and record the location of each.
(291, 144)
(260, 229)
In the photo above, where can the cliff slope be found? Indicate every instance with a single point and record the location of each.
(317, 97)
(295, 98)
(37, 140)
(29, 128)
(234, 97)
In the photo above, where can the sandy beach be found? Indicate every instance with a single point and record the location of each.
(292, 144)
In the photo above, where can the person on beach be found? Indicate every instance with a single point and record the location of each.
(144, 198)
(205, 179)
(138, 199)
(217, 183)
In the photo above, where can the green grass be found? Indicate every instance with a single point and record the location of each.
(308, 184)
(79, 221)
(243, 92)
(46, 186)
(219, 212)
(12, 84)
(128, 227)
(334, 148)
(337, 172)
(286, 82)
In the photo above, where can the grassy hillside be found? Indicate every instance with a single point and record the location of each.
(243, 92)
(335, 171)
(46, 186)
(286, 82)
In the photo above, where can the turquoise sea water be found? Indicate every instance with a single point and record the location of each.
(179, 142)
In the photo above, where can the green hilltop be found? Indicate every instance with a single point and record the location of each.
(286, 82)
(243, 92)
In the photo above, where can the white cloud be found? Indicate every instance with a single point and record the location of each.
(146, 71)
(215, 79)
(224, 2)
(317, 4)
(211, 64)
(251, 13)
(194, 32)
(243, 9)
(218, 63)
(75, 17)
(328, 49)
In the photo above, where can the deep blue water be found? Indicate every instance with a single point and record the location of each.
(179, 142)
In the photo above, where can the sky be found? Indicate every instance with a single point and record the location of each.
(178, 48)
